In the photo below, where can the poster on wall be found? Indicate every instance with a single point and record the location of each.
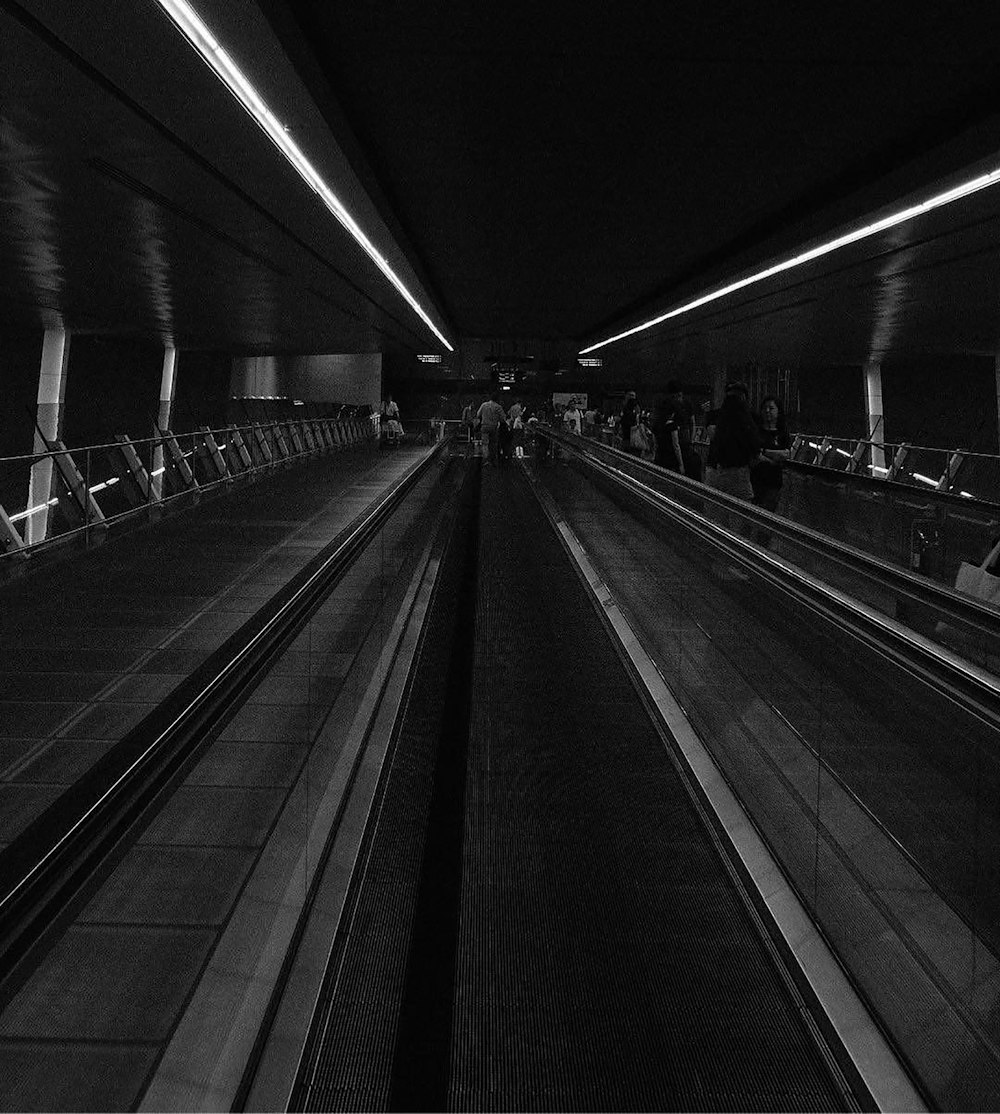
(562, 399)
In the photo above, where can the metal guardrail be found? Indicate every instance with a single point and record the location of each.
(927, 509)
(936, 612)
(958, 472)
(52, 865)
(64, 493)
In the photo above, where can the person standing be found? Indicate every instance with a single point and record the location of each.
(765, 473)
(735, 444)
(573, 418)
(490, 415)
(468, 420)
(505, 442)
(628, 420)
(394, 428)
(517, 428)
(667, 437)
(682, 415)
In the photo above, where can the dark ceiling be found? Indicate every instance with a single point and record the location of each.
(555, 165)
(534, 170)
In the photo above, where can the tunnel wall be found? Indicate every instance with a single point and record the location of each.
(337, 377)
(947, 400)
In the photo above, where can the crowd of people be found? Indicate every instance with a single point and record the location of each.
(746, 450)
(502, 431)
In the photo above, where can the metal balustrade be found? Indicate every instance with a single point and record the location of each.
(65, 493)
(949, 471)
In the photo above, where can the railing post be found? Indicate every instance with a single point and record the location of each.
(951, 470)
(213, 453)
(898, 461)
(10, 539)
(854, 464)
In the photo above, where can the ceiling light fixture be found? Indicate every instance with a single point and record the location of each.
(198, 35)
(956, 193)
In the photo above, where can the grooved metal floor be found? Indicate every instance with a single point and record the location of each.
(602, 959)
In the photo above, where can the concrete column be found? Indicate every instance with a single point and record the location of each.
(164, 416)
(872, 373)
(49, 418)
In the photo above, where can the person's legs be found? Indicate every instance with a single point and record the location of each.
(488, 437)
(692, 463)
(733, 481)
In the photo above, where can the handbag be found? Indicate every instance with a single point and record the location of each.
(979, 580)
(637, 439)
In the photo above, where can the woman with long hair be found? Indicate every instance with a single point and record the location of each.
(765, 474)
(735, 444)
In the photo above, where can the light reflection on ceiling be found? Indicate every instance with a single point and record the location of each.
(31, 223)
(893, 292)
(155, 278)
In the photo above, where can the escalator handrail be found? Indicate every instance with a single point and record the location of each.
(973, 688)
(48, 869)
(967, 610)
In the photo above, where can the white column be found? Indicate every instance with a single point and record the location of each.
(873, 410)
(164, 416)
(48, 414)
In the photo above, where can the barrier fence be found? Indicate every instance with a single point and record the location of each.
(63, 493)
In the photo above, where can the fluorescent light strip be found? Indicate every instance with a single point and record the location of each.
(199, 36)
(974, 185)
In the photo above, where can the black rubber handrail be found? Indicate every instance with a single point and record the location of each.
(974, 689)
(51, 867)
(964, 609)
